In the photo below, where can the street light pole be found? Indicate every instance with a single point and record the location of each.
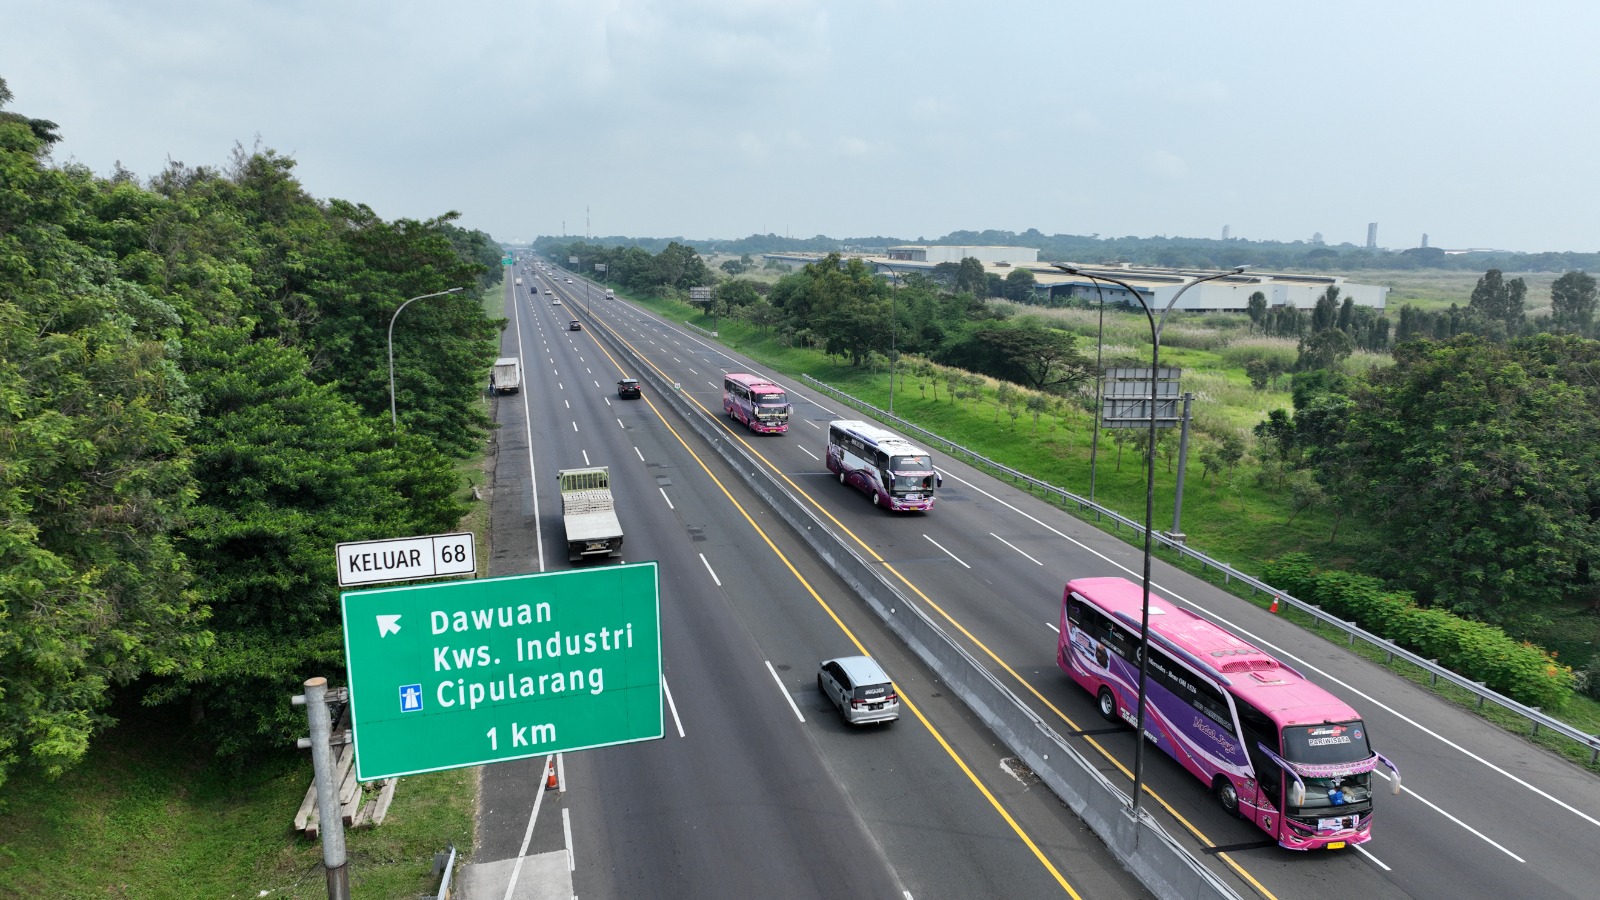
(394, 419)
(1149, 498)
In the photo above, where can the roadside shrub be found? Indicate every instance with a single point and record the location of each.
(1587, 679)
(1484, 653)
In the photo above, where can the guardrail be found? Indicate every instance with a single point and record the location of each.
(1536, 717)
(1142, 845)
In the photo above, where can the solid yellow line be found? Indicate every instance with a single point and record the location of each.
(1104, 753)
(967, 770)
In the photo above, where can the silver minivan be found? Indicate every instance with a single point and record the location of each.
(860, 689)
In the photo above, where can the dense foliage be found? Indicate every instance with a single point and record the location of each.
(193, 378)
(1475, 463)
(1481, 652)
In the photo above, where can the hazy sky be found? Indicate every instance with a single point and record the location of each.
(1471, 121)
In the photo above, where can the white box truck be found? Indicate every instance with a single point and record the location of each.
(588, 514)
(506, 378)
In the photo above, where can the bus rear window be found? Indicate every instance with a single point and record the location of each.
(1327, 744)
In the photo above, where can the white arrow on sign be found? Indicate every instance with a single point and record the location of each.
(388, 625)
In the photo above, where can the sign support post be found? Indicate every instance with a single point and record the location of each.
(331, 830)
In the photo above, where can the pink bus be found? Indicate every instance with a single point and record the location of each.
(762, 406)
(1276, 749)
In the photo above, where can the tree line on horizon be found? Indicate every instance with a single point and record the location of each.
(193, 373)
(1160, 250)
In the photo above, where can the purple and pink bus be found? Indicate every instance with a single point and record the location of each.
(762, 406)
(1276, 749)
(894, 472)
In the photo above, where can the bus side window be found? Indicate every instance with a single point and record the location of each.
(1074, 611)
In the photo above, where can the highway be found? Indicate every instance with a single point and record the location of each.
(758, 788)
(1483, 813)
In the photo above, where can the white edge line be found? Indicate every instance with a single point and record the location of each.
(784, 691)
(670, 506)
(533, 469)
(641, 455)
(1376, 861)
(671, 705)
(566, 828)
(527, 837)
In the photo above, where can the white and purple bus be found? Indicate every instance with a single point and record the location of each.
(1276, 749)
(762, 406)
(896, 473)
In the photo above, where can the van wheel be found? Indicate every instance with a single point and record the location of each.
(1108, 705)
(1227, 796)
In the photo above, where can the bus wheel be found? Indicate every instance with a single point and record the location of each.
(1227, 796)
(875, 500)
(841, 476)
(1108, 705)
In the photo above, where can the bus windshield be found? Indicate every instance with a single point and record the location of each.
(921, 463)
(1326, 744)
(769, 397)
(903, 483)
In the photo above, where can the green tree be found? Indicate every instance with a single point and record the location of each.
(1573, 299)
(971, 278)
(288, 468)
(94, 476)
(736, 293)
(1497, 300)
(1326, 313)
(1027, 352)
(1480, 464)
(1325, 350)
(1257, 308)
(1020, 285)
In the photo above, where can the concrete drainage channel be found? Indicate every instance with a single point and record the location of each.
(1143, 846)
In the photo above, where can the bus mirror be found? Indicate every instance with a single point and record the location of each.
(1394, 787)
(938, 480)
(1297, 794)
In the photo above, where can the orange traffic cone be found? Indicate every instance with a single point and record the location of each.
(1274, 607)
(550, 781)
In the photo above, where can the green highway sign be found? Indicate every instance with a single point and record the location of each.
(505, 261)
(464, 673)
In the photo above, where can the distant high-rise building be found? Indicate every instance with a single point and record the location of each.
(1424, 239)
(1225, 232)
(1372, 235)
